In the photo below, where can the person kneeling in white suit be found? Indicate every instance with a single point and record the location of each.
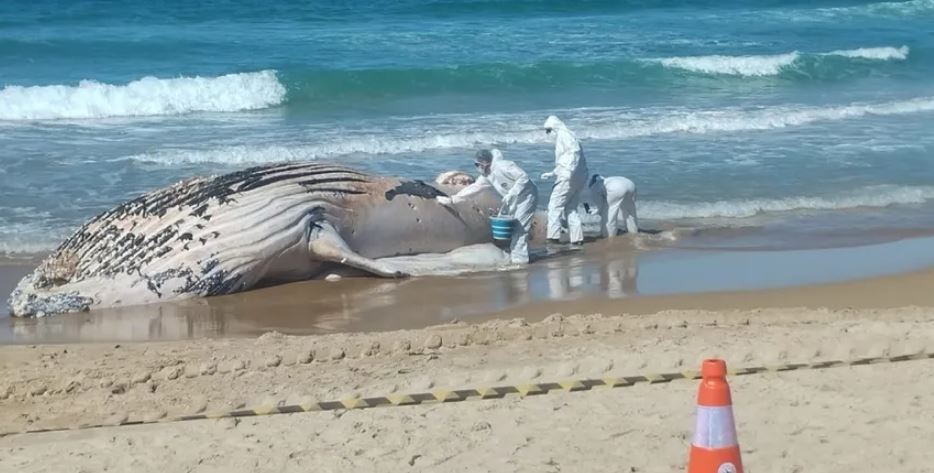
(615, 200)
(520, 196)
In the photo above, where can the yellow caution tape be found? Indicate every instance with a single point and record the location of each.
(496, 392)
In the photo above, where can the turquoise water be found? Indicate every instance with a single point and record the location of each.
(722, 112)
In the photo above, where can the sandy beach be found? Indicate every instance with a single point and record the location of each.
(857, 419)
(768, 166)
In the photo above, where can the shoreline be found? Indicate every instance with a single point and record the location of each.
(607, 278)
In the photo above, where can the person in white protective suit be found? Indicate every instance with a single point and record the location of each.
(570, 175)
(519, 196)
(614, 198)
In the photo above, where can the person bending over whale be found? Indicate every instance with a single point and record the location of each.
(614, 199)
(519, 193)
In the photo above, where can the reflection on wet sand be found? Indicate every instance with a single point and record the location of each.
(352, 304)
(608, 269)
(621, 277)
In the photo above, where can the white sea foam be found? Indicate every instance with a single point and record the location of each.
(760, 119)
(768, 65)
(911, 7)
(144, 97)
(870, 197)
(885, 53)
(774, 64)
(335, 146)
(602, 124)
(29, 238)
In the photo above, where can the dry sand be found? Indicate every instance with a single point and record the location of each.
(861, 419)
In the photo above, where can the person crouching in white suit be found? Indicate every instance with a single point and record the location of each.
(570, 175)
(520, 196)
(615, 200)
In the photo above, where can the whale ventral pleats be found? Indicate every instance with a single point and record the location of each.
(176, 218)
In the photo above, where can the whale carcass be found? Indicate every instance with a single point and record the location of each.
(259, 226)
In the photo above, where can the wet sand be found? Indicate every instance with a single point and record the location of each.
(606, 277)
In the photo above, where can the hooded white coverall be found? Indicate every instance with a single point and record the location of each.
(520, 196)
(614, 197)
(571, 179)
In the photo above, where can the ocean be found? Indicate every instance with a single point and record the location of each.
(803, 117)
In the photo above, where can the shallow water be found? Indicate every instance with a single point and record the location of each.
(613, 270)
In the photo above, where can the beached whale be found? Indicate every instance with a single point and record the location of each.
(260, 226)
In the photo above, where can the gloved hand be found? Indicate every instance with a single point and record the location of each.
(444, 200)
(508, 207)
(547, 175)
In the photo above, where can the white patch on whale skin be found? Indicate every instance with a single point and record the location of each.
(456, 179)
(466, 259)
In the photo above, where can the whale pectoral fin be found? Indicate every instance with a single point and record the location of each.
(325, 244)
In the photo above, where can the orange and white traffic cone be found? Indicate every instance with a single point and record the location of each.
(714, 449)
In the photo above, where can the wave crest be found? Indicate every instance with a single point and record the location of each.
(597, 124)
(318, 89)
(775, 64)
(901, 8)
(870, 197)
(144, 97)
(885, 53)
(733, 65)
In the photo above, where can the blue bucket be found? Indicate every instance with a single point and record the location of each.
(502, 227)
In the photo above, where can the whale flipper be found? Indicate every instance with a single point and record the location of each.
(326, 244)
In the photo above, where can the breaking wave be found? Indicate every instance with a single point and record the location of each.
(906, 8)
(598, 124)
(773, 65)
(322, 89)
(144, 97)
(875, 196)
